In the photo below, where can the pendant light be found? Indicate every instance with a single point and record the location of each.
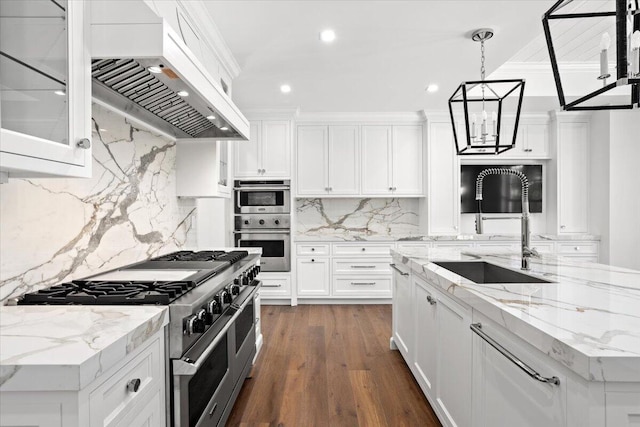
(485, 113)
(594, 29)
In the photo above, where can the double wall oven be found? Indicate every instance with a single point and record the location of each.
(262, 220)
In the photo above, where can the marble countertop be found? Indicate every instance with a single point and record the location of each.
(353, 237)
(67, 347)
(588, 319)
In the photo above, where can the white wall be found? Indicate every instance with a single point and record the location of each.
(624, 181)
(599, 182)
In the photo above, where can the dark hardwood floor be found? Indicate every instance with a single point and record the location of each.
(330, 365)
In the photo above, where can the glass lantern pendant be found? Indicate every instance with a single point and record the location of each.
(485, 113)
(595, 53)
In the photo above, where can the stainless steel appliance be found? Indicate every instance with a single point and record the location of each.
(263, 220)
(263, 197)
(211, 338)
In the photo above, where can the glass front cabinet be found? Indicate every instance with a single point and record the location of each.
(45, 88)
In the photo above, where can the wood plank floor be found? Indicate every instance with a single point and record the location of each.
(330, 365)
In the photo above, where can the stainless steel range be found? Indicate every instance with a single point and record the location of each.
(211, 339)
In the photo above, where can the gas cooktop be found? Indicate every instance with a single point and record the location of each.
(159, 280)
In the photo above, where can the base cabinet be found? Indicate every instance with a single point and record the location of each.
(426, 329)
(313, 276)
(402, 312)
(105, 402)
(505, 396)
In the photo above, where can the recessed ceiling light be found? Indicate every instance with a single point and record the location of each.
(211, 117)
(60, 92)
(155, 70)
(432, 88)
(327, 35)
(224, 128)
(183, 93)
(285, 88)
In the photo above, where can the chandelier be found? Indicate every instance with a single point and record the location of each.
(579, 38)
(485, 113)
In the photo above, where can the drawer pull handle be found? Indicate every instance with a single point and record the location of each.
(477, 328)
(279, 285)
(363, 266)
(215, 406)
(431, 300)
(133, 385)
(398, 270)
(363, 283)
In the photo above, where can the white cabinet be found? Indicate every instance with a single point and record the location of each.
(268, 152)
(426, 334)
(107, 401)
(453, 342)
(573, 179)
(275, 285)
(328, 161)
(202, 168)
(443, 169)
(392, 160)
(312, 276)
(402, 315)
(505, 395)
(45, 111)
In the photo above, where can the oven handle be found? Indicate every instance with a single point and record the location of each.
(238, 200)
(261, 188)
(188, 367)
(259, 231)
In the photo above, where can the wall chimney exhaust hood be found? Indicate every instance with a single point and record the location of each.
(142, 67)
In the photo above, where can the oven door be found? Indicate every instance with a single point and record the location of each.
(263, 200)
(245, 334)
(200, 397)
(276, 247)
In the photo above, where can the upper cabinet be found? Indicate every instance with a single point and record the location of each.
(328, 161)
(532, 139)
(392, 160)
(268, 153)
(45, 102)
(352, 160)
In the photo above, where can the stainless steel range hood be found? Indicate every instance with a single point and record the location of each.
(141, 67)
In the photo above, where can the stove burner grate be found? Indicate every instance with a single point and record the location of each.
(232, 257)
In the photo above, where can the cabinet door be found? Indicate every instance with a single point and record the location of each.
(247, 157)
(312, 161)
(573, 177)
(376, 160)
(443, 181)
(407, 160)
(45, 76)
(505, 396)
(537, 140)
(312, 277)
(425, 328)
(344, 160)
(403, 313)
(453, 389)
(276, 149)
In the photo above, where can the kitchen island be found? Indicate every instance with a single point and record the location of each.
(82, 365)
(563, 352)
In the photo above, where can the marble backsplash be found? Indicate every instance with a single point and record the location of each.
(59, 229)
(354, 218)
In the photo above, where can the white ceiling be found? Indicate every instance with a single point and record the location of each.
(385, 54)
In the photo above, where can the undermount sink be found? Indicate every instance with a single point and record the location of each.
(483, 272)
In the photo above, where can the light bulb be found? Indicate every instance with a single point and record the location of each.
(605, 41)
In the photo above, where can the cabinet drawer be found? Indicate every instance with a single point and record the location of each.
(577, 248)
(112, 399)
(359, 266)
(362, 287)
(364, 249)
(275, 287)
(312, 249)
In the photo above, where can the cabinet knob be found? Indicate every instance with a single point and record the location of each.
(431, 300)
(313, 249)
(364, 249)
(313, 260)
(330, 188)
(562, 227)
(390, 188)
(133, 385)
(577, 248)
(84, 143)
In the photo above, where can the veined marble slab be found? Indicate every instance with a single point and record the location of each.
(588, 320)
(358, 237)
(66, 347)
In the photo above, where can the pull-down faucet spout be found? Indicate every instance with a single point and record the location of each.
(527, 251)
